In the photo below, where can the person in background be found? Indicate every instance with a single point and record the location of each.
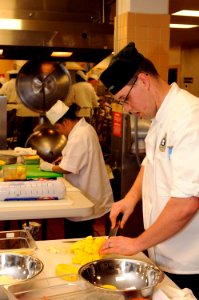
(93, 80)
(83, 94)
(168, 181)
(20, 119)
(82, 164)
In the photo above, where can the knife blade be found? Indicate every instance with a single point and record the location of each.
(113, 231)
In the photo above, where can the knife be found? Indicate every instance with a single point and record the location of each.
(114, 231)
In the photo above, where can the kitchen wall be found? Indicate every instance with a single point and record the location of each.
(186, 60)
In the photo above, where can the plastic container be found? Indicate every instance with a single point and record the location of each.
(18, 241)
(14, 172)
(56, 288)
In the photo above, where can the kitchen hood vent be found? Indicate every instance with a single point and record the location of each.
(77, 26)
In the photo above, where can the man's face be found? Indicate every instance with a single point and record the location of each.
(137, 97)
(64, 127)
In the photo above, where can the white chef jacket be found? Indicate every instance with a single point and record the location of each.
(13, 100)
(83, 94)
(172, 170)
(82, 156)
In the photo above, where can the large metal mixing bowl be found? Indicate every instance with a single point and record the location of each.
(17, 268)
(48, 142)
(130, 278)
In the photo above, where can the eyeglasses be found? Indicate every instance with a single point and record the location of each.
(122, 102)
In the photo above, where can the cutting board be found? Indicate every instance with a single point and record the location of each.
(33, 171)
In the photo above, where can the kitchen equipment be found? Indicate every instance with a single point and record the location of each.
(9, 159)
(130, 278)
(18, 241)
(17, 268)
(54, 288)
(34, 172)
(45, 82)
(33, 190)
(14, 172)
(47, 141)
(113, 231)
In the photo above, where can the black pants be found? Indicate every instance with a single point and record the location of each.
(78, 229)
(186, 281)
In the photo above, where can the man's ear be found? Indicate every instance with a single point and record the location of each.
(145, 79)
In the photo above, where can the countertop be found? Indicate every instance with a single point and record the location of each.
(53, 252)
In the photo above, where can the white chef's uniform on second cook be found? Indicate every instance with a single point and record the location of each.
(172, 170)
(82, 156)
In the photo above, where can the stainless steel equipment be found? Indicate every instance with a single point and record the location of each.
(127, 153)
(128, 277)
(127, 148)
(40, 84)
(16, 268)
(47, 141)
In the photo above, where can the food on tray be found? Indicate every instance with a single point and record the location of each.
(67, 271)
(86, 250)
(6, 279)
(21, 172)
(109, 286)
(2, 162)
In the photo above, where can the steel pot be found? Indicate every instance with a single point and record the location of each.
(47, 141)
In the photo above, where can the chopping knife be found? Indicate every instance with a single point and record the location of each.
(113, 231)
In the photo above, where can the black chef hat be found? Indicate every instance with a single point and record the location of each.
(122, 68)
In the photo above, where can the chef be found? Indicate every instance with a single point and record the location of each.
(168, 181)
(82, 164)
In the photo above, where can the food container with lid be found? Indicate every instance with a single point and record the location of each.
(18, 241)
(14, 172)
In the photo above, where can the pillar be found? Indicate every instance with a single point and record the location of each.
(147, 24)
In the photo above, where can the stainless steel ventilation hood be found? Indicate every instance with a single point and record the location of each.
(83, 27)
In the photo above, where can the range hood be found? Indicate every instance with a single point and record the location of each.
(77, 26)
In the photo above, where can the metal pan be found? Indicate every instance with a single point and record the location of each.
(40, 84)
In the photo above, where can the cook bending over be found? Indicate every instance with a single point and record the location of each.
(168, 181)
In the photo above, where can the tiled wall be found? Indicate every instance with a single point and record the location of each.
(150, 32)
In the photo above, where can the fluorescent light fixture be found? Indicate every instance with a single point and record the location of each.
(1, 51)
(187, 13)
(182, 26)
(61, 54)
(14, 24)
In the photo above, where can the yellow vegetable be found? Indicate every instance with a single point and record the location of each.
(2, 162)
(86, 250)
(109, 286)
(67, 271)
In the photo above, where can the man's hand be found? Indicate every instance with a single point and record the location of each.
(46, 166)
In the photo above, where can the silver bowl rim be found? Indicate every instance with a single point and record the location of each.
(18, 281)
(83, 267)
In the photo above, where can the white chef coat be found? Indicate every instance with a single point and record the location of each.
(172, 170)
(14, 102)
(82, 156)
(83, 94)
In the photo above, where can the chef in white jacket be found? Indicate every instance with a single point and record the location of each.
(168, 181)
(82, 164)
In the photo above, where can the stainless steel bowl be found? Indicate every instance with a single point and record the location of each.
(17, 268)
(131, 278)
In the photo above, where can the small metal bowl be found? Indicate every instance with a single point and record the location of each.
(130, 278)
(16, 268)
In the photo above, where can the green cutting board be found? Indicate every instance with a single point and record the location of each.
(33, 171)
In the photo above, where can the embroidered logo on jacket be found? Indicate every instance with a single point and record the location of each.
(163, 143)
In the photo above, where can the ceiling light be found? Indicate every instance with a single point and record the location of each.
(1, 51)
(188, 13)
(14, 24)
(61, 54)
(182, 26)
